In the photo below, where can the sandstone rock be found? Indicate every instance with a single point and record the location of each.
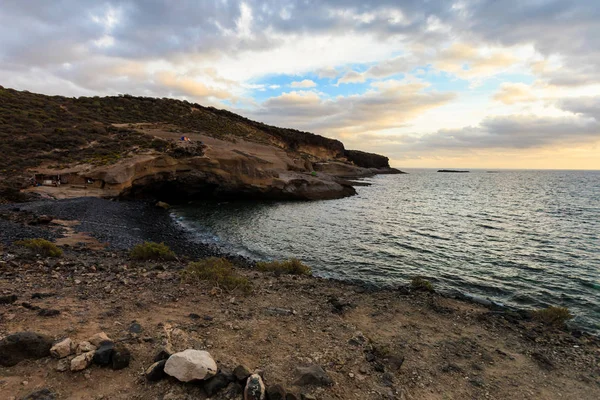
(103, 355)
(312, 375)
(217, 383)
(62, 349)
(156, 371)
(121, 357)
(82, 361)
(84, 347)
(44, 394)
(98, 338)
(255, 388)
(241, 373)
(275, 392)
(190, 365)
(63, 365)
(19, 346)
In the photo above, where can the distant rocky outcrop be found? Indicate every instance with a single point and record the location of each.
(367, 160)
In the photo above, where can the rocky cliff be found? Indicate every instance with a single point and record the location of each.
(135, 146)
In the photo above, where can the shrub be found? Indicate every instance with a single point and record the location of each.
(152, 251)
(292, 266)
(41, 246)
(555, 316)
(420, 283)
(219, 271)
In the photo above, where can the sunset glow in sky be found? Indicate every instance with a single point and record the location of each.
(467, 83)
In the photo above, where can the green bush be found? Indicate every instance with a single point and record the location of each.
(218, 271)
(152, 251)
(41, 246)
(422, 284)
(292, 266)
(555, 316)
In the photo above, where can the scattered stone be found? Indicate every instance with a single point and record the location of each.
(163, 354)
(63, 365)
(19, 346)
(275, 392)
(99, 338)
(312, 375)
(44, 394)
(241, 373)
(233, 391)
(388, 379)
(190, 365)
(41, 295)
(62, 349)
(274, 311)
(84, 347)
(255, 388)
(135, 328)
(542, 361)
(82, 361)
(43, 219)
(103, 355)
(217, 383)
(121, 357)
(48, 312)
(8, 299)
(30, 306)
(395, 362)
(194, 316)
(451, 367)
(156, 371)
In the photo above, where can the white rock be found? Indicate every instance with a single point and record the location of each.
(82, 361)
(85, 347)
(98, 338)
(62, 348)
(190, 365)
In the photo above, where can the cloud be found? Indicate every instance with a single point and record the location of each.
(388, 104)
(306, 83)
(468, 62)
(352, 77)
(511, 93)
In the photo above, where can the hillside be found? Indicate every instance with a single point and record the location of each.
(60, 132)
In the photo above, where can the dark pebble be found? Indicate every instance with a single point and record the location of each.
(103, 354)
(48, 312)
(44, 394)
(8, 299)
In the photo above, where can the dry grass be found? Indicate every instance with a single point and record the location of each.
(554, 316)
(292, 266)
(218, 271)
(152, 251)
(422, 284)
(42, 247)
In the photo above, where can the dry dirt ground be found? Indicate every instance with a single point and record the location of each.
(451, 349)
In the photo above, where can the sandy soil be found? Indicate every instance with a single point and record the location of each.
(451, 349)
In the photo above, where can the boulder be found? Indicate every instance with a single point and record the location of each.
(190, 365)
(312, 375)
(82, 361)
(156, 371)
(43, 394)
(62, 349)
(19, 346)
(121, 357)
(275, 392)
(255, 388)
(99, 338)
(103, 355)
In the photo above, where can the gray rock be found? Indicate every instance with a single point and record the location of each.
(103, 355)
(190, 365)
(121, 357)
(44, 394)
(255, 388)
(217, 383)
(156, 371)
(312, 375)
(19, 346)
(63, 365)
(241, 373)
(275, 392)
(135, 328)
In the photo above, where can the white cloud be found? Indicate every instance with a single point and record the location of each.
(306, 83)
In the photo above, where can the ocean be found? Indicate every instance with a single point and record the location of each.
(527, 239)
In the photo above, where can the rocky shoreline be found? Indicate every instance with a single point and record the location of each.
(352, 342)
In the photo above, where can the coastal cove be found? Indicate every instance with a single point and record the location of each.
(527, 239)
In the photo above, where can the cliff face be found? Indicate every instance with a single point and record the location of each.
(134, 146)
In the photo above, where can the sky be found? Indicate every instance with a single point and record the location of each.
(428, 83)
